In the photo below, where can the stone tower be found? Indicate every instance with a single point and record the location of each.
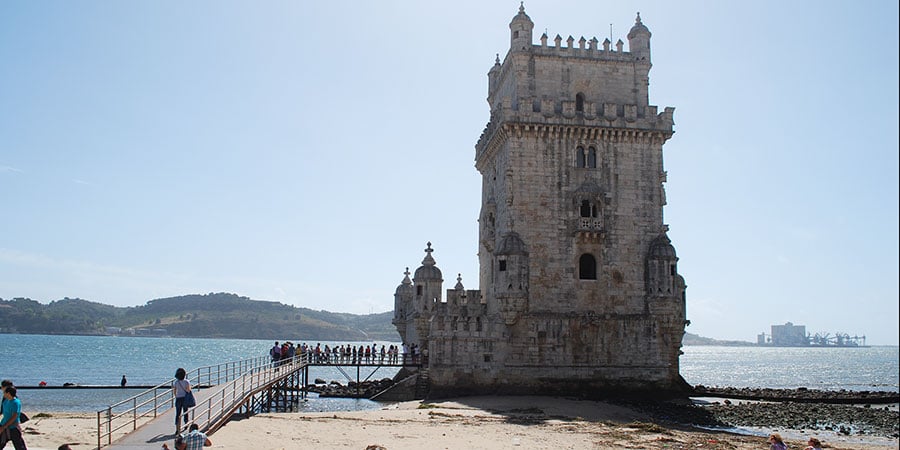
(580, 292)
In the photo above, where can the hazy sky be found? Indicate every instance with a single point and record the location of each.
(305, 152)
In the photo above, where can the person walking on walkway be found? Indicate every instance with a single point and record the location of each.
(180, 388)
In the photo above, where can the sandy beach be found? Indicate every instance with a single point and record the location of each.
(462, 423)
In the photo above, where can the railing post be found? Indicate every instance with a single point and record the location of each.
(108, 426)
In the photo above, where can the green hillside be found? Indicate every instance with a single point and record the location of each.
(219, 315)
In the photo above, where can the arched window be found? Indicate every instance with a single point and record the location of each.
(587, 267)
(579, 157)
(592, 158)
(586, 209)
(579, 102)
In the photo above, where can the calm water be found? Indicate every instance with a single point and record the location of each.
(857, 369)
(30, 359)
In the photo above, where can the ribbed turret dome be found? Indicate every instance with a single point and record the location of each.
(638, 28)
(428, 270)
(661, 248)
(521, 16)
(511, 245)
(405, 285)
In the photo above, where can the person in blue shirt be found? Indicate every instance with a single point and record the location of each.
(9, 423)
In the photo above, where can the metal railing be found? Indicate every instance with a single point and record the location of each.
(126, 415)
(213, 411)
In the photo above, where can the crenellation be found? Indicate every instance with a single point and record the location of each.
(579, 289)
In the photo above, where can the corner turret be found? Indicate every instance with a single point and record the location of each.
(494, 76)
(639, 40)
(520, 30)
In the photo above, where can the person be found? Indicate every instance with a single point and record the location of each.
(124, 381)
(813, 444)
(776, 442)
(275, 353)
(9, 423)
(193, 439)
(180, 388)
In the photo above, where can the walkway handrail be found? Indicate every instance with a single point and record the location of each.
(214, 411)
(152, 402)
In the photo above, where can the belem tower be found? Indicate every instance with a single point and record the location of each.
(580, 292)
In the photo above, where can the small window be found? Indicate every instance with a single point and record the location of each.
(418, 290)
(515, 34)
(579, 157)
(585, 208)
(592, 158)
(587, 267)
(503, 265)
(579, 102)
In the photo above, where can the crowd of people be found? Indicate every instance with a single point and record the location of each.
(348, 354)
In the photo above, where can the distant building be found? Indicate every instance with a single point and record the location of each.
(789, 335)
(580, 291)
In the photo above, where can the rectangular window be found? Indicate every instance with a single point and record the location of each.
(503, 265)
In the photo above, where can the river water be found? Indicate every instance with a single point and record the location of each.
(102, 360)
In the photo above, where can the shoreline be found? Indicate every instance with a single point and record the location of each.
(486, 422)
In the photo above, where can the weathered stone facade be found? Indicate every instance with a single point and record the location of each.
(580, 292)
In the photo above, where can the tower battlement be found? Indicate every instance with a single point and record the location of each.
(608, 119)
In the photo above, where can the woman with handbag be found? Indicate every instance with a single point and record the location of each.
(184, 398)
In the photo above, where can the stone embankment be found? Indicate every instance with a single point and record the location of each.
(799, 395)
(363, 389)
(861, 413)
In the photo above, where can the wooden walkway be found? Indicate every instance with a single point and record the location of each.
(147, 420)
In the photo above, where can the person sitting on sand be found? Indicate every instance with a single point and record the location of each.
(193, 440)
(776, 442)
(813, 444)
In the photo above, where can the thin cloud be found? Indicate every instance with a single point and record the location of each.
(11, 169)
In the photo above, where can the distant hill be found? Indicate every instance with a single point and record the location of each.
(214, 315)
(693, 339)
(220, 315)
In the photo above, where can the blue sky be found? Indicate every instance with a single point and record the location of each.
(305, 152)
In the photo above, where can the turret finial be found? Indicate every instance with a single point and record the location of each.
(522, 7)
(638, 19)
(459, 286)
(429, 260)
(497, 60)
